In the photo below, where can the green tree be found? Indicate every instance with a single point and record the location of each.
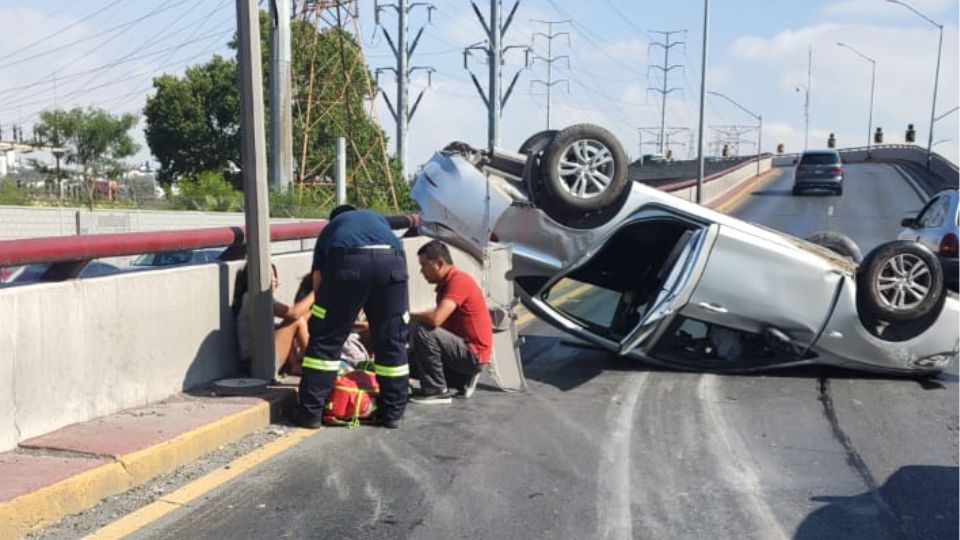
(93, 140)
(193, 123)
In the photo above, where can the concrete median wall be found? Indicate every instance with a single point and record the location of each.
(717, 185)
(79, 349)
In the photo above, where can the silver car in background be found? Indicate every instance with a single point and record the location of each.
(937, 226)
(645, 274)
(819, 169)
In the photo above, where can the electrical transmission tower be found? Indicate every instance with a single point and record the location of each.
(403, 112)
(549, 59)
(657, 132)
(494, 98)
(731, 137)
(328, 91)
(667, 44)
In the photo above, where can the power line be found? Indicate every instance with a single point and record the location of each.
(59, 31)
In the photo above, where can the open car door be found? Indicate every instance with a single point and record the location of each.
(622, 291)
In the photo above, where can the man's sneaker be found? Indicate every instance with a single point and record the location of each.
(468, 389)
(435, 396)
(390, 424)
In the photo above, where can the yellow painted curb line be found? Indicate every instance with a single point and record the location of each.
(527, 317)
(192, 491)
(77, 493)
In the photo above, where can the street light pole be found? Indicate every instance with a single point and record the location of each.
(936, 74)
(873, 79)
(759, 127)
(703, 98)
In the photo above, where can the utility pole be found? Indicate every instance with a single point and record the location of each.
(666, 68)
(494, 98)
(403, 112)
(550, 59)
(806, 98)
(256, 205)
(281, 122)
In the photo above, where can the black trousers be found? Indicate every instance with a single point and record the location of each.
(376, 281)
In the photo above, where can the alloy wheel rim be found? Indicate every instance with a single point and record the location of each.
(586, 168)
(904, 281)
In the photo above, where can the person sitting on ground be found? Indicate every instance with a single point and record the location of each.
(452, 342)
(290, 334)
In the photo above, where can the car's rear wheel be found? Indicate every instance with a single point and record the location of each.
(538, 141)
(900, 281)
(838, 191)
(838, 243)
(583, 169)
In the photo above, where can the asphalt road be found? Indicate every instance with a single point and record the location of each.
(603, 447)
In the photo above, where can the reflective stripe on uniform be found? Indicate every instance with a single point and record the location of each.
(318, 312)
(391, 371)
(321, 365)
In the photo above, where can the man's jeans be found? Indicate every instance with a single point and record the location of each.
(441, 358)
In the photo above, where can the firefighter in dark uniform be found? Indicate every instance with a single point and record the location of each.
(357, 263)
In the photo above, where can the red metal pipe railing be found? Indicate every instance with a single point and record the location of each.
(94, 246)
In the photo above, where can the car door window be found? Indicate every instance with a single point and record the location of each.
(933, 214)
(611, 293)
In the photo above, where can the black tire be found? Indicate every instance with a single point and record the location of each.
(838, 191)
(838, 243)
(536, 139)
(592, 141)
(906, 268)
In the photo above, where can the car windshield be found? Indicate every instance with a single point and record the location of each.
(820, 159)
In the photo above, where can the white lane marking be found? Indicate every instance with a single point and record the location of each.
(739, 476)
(830, 210)
(613, 490)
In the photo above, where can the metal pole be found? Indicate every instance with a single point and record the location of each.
(341, 170)
(495, 57)
(549, 68)
(281, 123)
(759, 143)
(933, 107)
(806, 99)
(403, 78)
(873, 80)
(254, 158)
(703, 96)
(663, 105)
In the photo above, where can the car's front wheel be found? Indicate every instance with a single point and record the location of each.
(900, 281)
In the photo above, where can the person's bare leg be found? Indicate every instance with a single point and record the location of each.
(283, 338)
(301, 338)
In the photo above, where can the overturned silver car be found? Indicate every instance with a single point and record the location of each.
(643, 273)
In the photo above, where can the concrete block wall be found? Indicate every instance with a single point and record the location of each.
(717, 186)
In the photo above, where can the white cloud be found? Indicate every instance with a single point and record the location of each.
(906, 59)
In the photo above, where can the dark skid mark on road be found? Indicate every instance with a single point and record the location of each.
(853, 457)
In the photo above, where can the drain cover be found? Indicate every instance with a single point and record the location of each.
(239, 387)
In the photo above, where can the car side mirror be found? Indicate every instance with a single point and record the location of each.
(909, 222)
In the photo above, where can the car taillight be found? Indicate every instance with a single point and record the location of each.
(837, 170)
(948, 245)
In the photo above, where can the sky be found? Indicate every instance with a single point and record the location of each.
(105, 53)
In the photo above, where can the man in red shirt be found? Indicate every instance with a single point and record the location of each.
(452, 342)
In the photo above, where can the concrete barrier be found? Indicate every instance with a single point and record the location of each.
(716, 185)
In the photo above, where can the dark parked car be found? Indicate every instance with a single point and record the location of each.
(819, 169)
